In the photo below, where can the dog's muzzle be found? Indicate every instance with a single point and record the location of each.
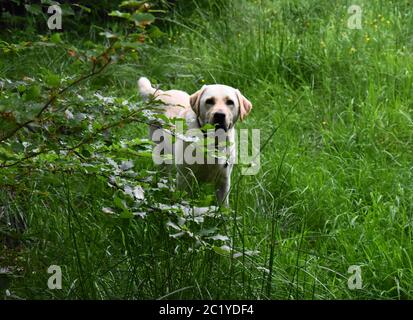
(219, 120)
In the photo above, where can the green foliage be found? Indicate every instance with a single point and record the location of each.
(57, 132)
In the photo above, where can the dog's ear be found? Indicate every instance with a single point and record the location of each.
(195, 98)
(245, 105)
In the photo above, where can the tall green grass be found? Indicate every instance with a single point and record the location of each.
(335, 187)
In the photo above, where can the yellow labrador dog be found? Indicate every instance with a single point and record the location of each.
(218, 105)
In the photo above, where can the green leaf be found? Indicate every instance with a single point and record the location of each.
(143, 18)
(219, 237)
(34, 9)
(145, 154)
(155, 32)
(109, 35)
(108, 210)
(52, 80)
(223, 250)
(88, 10)
(56, 38)
(17, 147)
(126, 214)
(130, 45)
(67, 10)
(33, 93)
(131, 4)
(6, 154)
(118, 14)
(21, 88)
(208, 126)
(121, 204)
(85, 151)
(173, 225)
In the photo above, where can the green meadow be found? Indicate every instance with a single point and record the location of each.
(334, 106)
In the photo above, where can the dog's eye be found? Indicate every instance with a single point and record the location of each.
(230, 102)
(210, 101)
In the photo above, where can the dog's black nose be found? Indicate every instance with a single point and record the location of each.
(219, 118)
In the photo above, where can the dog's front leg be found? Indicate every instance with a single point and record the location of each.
(223, 188)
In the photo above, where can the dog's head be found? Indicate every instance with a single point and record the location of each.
(220, 106)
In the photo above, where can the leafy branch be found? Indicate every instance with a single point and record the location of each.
(59, 93)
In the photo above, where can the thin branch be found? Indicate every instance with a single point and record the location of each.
(53, 98)
(126, 119)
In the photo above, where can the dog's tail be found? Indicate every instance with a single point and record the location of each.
(145, 87)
